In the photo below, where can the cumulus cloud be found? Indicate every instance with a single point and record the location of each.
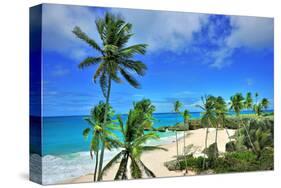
(163, 30)
(251, 32)
(58, 23)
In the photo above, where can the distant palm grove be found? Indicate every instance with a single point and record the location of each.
(250, 148)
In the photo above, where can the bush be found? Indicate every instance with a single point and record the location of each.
(230, 146)
(185, 162)
(237, 162)
(266, 159)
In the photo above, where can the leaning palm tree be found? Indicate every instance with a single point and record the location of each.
(99, 132)
(177, 106)
(133, 145)
(208, 118)
(114, 58)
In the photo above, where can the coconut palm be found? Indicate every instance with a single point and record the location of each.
(114, 57)
(237, 104)
(147, 108)
(221, 111)
(208, 117)
(99, 132)
(132, 147)
(248, 103)
(177, 106)
(265, 103)
(258, 109)
(186, 115)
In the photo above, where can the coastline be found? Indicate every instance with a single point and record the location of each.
(155, 160)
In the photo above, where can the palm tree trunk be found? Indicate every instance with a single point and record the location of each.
(104, 122)
(184, 153)
(96, 166)
(216, 138)
(248, 135)
(177, 144)
(206, 143)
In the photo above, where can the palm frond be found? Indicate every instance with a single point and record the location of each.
(104, 83)
(151, 148)
(135, 169)
(132, 81)
(86, 133)
(148, 172)
(89, 61)
(122, 170)
(83, 36)
(113, 161)
(132, 50)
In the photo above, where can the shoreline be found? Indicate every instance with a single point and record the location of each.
(194, 140)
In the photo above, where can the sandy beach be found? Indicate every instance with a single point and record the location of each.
(155, 160)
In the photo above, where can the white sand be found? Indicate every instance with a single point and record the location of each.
(155, 160)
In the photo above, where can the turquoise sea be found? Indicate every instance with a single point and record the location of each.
(65, 152)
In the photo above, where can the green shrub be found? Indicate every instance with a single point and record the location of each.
(230, 146)
(185, 162)
(237, 162)
(266, 159)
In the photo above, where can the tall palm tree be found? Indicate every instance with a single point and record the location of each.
(248, 103)
(99, 132)
(221, 110)
(186, 115)
(237, 104)
(115, 57)
(132, 147)
(208, 118)
(177, 106)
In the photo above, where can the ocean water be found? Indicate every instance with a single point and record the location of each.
(65, 153)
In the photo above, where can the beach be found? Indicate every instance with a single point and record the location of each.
(155, 160)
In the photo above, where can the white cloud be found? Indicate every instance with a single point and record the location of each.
(163, 30)
(58, 23)
(251, 32)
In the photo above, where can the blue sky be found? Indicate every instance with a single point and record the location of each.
(189, 55)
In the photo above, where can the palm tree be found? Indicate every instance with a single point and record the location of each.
(265, 103)
(186, 116)
(99, 132)
(237, 104)
(208, 118)
(132, 147)
(258, 109)
(256, 96)
(248, 103)
(177, 106)
(221, 110)
(114, 58)
(147, 108)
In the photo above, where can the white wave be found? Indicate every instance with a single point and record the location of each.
(59, 168)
